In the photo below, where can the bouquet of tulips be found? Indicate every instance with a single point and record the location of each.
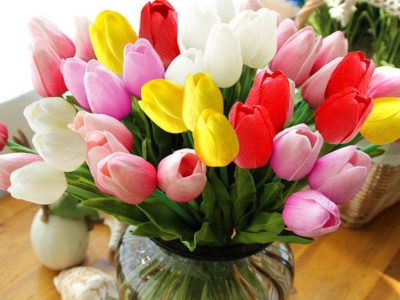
(213, 128)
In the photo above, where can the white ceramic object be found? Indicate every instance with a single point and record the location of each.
(117, 229)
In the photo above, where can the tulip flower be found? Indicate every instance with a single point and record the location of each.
(286, 29)
(45, 70)
(313, 89)
(226, 10)
(85, 123)
(62, 149)
(126, 176)
(295, 152)
(106, 92)
(109, 35)
(340, 117)
(48, 114)
(272, 91)
(339, 175)
(353, 71)
(296, 57)
(52, 36)
(188, 62)
(309, 213)
(223, 56)
(333, 46)
(215, 140)
(255, 133)
(38, 183)
(159, 25)
(3, 135)
(84, 48)
(11, 162)
(253, 5)
(382, 125)
(141, 64)
(182, 176)
(200, 92)
(162, 101)
(257, 35)
(385, 82)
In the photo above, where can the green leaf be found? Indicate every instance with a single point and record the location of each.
(290, 237)
(69, 208)
(243, 194)
(207, 235)
(244, 237)
(162, 139)
(148, 152)
(150, 230)
(208, 204)
(269, 222)
(270, 196)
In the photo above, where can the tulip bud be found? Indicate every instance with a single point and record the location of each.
(257, 35)
(226, 10)
(255, 133)
(84, 48)
(141, 64)
(200, 92)
(109, 35)
(11, 162)
(48, 114)
(188, 62)
(215, 141)
(286, 29)
(385, 82)
(106, 92)
(296, 57)
(333, 46)
(182, 176)
(340, 174)
(309, 213)
(222, 56)
(128, 177)
(295, 152)
(38, 183)
(3, 135)
(250, 5)
(285, 8)
(340, 116)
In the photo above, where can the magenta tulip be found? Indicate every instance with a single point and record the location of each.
(340, 174)
(3, 135)
(309, 213)
(385, 82)
(182, 176)
(295, 152)
(286, 29)
(84, 48)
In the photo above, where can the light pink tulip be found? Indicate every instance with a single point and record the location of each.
(52, 36)
(84, 48)
(313, 89)
(340, 174)
(128, 177)
(286, 29)
(182, 176)
(11, 162)
(309, 213)
(295, 152)
(385, 82)
(297, 55)
(251, 5)
(333, 46)
(3, 135)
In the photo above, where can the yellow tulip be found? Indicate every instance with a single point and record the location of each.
(162, 101)
(200, 92)
(215, 140)
(383, 124)
(109, 35)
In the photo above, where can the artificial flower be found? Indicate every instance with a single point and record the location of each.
(385, 82)
(253, 5)
(3, 135)
(226, 9)
(188, 62)
(285, 30)
(84, 48)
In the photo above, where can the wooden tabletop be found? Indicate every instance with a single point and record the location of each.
(348, 265)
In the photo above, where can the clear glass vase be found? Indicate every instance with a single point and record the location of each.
(152, 269)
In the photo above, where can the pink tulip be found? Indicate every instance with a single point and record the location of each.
(251, 5)
(309, 213)
(11, 162)
(3, 135)
(385, 82)
(141, 65)
(182, 176)
(313, 89)
(295, 152)
(333, 46)
(296, 57)
(340, 174)
(84, 48)
(128, 177)
(106, 92)
(52, 36)
(286, 29)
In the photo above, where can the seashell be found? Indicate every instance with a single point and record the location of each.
(86, 283)
(117, 230)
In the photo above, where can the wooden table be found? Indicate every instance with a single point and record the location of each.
(347, 265)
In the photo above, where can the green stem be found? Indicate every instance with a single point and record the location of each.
(192, 210)
(224, 176)
(79, 192)
(19, 148)
(190, 138)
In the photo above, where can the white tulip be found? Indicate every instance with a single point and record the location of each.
(226, 10)
(49, 113)
(257, 35)
(62, 149)
(188, 62)
(38, 183)
(222, 56)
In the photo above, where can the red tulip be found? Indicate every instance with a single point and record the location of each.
(353, 71)
(3, 135)
(255, 133)
(340, 116)
(159, 25)
(272, 91)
